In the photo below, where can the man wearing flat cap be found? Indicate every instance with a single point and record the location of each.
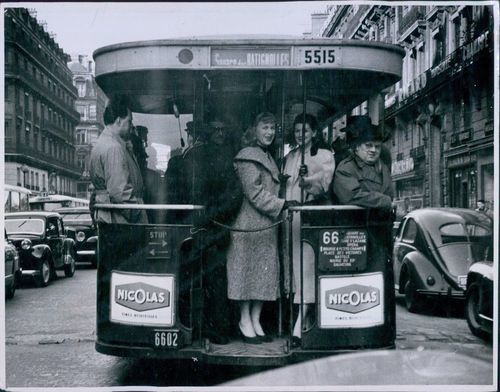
(362, 178)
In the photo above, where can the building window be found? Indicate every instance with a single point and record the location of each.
(37, 184)
(81, 162)
(81, 136)
(44, 184)
(92, 112)
(19, 177)
(35, 138)
(80, 85)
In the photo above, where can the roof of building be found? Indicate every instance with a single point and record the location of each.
(76, 67)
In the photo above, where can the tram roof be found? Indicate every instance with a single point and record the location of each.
(157, 73)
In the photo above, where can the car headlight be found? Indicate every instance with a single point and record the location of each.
(80, 236)
(26, 244)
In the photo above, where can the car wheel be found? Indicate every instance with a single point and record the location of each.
(412, 298)
(10, 290)
(43, 278)
(472, 311)
(69, 268)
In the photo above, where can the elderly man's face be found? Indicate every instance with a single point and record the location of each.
(369, 152)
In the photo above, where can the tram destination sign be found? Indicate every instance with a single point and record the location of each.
(342, 250)
(158, 240)
(297, 56)
(250, 57)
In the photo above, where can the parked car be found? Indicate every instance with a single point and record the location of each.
(12, 268)
(433, 250)
(479, 299)
(42, 244)
(80, 226)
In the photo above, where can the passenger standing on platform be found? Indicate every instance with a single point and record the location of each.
(363, 179)
(210, 178)
(252, 257)
(114, 170)
(310, 181)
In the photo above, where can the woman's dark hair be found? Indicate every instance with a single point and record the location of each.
(249, 139)
(118, 107)
(317, 141)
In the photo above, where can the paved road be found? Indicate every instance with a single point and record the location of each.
(53, 345)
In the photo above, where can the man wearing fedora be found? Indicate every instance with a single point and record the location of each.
(362, 178)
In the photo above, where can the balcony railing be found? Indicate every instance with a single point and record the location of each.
(417, 152)
(55, 129)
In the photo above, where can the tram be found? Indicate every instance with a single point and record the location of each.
(53, 202)
(238, 77)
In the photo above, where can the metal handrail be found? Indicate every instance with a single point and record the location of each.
(115, 206)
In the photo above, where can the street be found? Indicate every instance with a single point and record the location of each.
(50, 341)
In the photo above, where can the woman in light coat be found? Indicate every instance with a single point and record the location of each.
(252, 257)
(310, 184)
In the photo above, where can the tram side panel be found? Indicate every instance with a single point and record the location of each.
(139, 290)
(355, 304)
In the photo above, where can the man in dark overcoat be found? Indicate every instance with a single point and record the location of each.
(362, 178)
(211, 181)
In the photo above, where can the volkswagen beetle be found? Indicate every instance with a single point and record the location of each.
(433, 250)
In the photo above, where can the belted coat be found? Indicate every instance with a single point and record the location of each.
(116, 177)
(362, 184)
(252, 257)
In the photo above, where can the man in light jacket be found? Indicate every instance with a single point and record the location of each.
(114, 170)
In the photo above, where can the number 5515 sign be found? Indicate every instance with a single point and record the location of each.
(342, 250)
(318, 56)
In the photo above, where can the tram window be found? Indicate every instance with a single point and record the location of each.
(24, 202)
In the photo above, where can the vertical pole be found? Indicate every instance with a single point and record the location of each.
(302, 161)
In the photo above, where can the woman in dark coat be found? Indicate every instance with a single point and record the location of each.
(252, 257)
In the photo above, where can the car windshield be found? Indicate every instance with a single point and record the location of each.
(24, 226)
(78, 217)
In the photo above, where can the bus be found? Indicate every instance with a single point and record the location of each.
(16, 198)
(53, 202)
(238, 77)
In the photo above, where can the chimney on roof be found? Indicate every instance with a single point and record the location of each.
(317, 21)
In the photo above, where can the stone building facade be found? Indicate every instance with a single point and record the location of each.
(40, 118)
(90, 105)
(441, 113)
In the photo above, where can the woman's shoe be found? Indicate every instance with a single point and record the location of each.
(296, 342)
(265, 338)
(248, 339)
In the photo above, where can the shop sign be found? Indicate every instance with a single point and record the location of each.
(461, 160)
(141, 299)
(464, 53)
(402, 167)
(355, 301)
(250, 58)
(474, 47)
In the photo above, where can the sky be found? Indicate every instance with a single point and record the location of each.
(81, 28)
